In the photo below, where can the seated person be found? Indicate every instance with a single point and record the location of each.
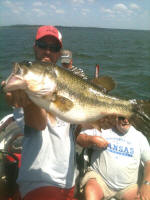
(66, 61)
(115, 160)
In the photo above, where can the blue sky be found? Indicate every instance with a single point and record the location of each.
(126, 14)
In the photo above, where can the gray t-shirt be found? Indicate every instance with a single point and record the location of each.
(48, 157)
(119, 163)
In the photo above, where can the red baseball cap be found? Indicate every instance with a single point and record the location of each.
(49, 30)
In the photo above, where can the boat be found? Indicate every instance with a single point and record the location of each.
(10, 156)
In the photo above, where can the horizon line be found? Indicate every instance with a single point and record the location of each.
(74, 27)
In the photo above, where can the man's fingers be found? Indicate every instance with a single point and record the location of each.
(17, 98)
(9, 98)
(101, 142)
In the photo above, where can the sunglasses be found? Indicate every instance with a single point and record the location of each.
(121, 118)
(51, 47)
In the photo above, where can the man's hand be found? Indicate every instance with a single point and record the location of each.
(144, 192)
(99, 142)
(91, 141)
(17, 98)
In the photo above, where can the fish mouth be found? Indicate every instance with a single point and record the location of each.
(14, 82)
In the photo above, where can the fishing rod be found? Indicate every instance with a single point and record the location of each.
(97, 71)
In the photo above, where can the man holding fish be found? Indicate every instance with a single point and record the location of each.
(68, 97)
(48, 156)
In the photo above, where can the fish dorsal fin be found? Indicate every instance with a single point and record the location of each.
(104, 82)
(62, 103)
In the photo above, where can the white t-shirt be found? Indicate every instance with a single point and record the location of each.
(119, 163)
(48, 158)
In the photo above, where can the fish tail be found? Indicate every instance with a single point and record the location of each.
(141, 119)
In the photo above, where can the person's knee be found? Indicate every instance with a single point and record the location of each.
(130, 193)
(93, 190)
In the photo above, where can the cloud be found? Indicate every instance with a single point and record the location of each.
(17, 10)
(107, 10)
(53, 7)
(38, 11)
(82, 1)
(15, 7)
(7, 3)
(60, 11)
(37, 4)
(120, 7)
(78, 1)
(84, 11)
(134, 6)
(91, 1)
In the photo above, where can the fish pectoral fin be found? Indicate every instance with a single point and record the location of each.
(105, 82)
(62, 103)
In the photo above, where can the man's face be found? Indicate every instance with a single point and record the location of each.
(47, 49)
(122, 125)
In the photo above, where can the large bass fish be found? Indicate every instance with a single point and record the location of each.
(71, 98)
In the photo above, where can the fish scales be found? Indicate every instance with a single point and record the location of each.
(91, 98)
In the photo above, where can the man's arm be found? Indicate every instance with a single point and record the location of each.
(34, 116)
(144, 190)
(85, 140)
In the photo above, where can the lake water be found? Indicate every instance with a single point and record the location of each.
(122, 54)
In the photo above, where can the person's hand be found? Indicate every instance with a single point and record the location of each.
(99, 142)
(144, 192)
(18, 98)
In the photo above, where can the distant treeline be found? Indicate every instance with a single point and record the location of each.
(58, 26)
(69, 27)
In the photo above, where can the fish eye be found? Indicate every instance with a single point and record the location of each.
(26, 63)
(29, 63)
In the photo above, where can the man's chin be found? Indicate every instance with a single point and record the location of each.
(125, 128)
